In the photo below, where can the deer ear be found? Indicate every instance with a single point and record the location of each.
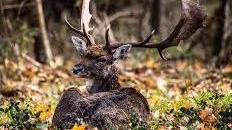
(79, 44)
(122, 51)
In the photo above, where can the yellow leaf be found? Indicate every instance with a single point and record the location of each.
(150, 63)
(45, 110)
(154, 99)
(78, 127)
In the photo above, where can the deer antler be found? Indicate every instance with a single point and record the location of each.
(85, 20)
(191, 20)
(109, 47)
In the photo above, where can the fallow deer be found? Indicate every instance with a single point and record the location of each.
(109, 105)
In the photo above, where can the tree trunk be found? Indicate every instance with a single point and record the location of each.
(221, 17)
(156, 7)
(225, 55)
(43, 33)
(216, 38)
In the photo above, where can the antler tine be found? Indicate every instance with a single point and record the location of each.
(73, 28)
(107, 41)
(136, 44)
(80, 32)
(146, 40)
(86, 35)
(168, 42)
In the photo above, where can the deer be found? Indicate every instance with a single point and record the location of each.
(109, 104)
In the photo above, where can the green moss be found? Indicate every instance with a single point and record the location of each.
(225, 101)
(163, 106)
(204, 99)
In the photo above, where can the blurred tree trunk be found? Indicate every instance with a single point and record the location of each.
(39, 50)
(220, 16)
(143, 20)
(221, 45)
(216, 38)
(152, 12)
(156, 8)
(43, 51)
(225, 54)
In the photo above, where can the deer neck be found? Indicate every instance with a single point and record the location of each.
(110, 82)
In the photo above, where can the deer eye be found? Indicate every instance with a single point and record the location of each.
(102, 59)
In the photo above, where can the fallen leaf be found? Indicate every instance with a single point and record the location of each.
(207, 116)
(79, 127)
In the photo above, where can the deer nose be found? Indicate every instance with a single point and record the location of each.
(77, 69)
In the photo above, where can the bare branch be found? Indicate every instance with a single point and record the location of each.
(124, 13)
(13, 6)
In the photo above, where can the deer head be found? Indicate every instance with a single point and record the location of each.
(97, 60)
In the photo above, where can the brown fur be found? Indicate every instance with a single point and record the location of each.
(104, 110)
(95, 51)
